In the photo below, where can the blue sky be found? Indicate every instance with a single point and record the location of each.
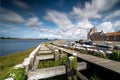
(63, 19)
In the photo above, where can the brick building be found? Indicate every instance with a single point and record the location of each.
(113, 36)
(101, 36)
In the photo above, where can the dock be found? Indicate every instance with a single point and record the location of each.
(36, 74)
(105, 63)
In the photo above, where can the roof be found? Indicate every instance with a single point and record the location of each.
(113, 33)
(98, 33)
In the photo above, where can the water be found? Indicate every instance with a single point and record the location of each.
(12, 46)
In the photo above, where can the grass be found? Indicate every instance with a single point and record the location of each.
(52, 63)
(83, 51)
(7, 62)
(17, 74)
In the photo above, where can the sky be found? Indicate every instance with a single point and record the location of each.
(57, 19)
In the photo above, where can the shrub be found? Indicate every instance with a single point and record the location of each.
(98, 54)
(17, 74)
(116, 55)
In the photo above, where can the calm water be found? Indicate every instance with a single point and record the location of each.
(13, 46)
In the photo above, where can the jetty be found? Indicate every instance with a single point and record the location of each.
(84, 62)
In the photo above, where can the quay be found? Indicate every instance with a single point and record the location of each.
(55, 50)
(105, 63)
(35, 73)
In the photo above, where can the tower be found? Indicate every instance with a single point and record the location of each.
(92, 30)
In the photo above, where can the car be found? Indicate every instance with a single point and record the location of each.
(117, 47)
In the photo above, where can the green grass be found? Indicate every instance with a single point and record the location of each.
(7, 62)
(52, 63)
(83, 51)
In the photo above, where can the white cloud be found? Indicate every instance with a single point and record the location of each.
(58, 18)
(44, 29)
(10, 16)
(24, 6)
(109, 26)
(103, 5)
(65, 27)
(82, 28)
(78, 29)
(33, 22)
(93, 9)
(84, 24)
(85, 13)
(20, 4)
(113, 15)
(116, 26)
(51, 36)
(106, 27)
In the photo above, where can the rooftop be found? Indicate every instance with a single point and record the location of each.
(113, 33)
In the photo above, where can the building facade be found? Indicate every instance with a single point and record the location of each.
(113, 36)
(101, 36)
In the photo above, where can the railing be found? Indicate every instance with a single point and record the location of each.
(33, 73)
(71, 68)
(29, 62)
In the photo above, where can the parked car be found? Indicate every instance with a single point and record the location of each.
(117, 47)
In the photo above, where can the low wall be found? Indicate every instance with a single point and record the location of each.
(102, 42)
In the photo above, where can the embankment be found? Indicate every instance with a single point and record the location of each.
(7, 62)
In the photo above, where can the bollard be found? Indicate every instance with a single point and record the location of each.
(71, 68)
(61, 51)
(26, 63)
(74, 54)
(52, 48)
(35, 55)
(31, 61)
(33, 58)
(56, 54)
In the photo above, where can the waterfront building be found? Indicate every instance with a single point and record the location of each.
(113, 36)
(94, 35)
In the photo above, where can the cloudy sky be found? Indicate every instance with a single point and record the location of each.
(63, 19)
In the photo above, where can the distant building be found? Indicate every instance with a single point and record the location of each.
(113, 36)
(93, 30)
(101, 36)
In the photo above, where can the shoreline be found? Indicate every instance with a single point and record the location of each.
(7, 62)
(24, 39)
(16, 52)
(10, 46)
